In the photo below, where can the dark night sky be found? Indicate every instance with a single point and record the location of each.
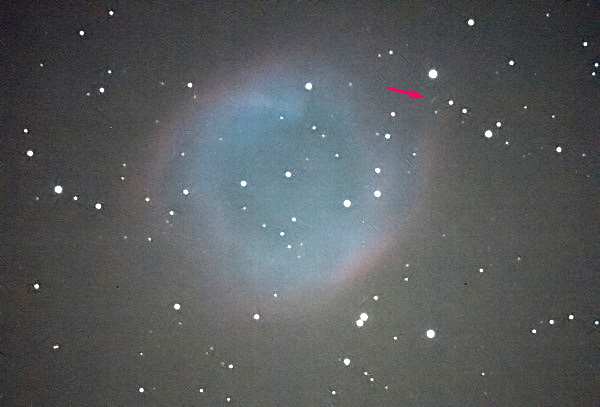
(173, 222)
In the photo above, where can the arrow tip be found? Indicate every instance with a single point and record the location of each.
(414, 94)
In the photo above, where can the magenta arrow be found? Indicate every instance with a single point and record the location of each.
(413, 94)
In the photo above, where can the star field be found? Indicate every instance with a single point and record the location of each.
(221, 203)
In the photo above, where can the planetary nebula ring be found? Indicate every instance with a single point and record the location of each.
(302, 188)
